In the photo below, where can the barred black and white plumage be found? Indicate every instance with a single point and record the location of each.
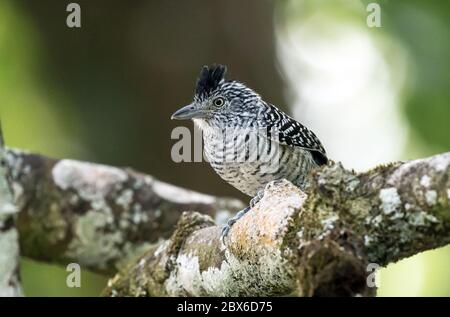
(237, 123)
(248, 141)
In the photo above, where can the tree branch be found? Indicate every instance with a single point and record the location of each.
(9, 243)
(317, 242)
(314, 243)
(96, 215)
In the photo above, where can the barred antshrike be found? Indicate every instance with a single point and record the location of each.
(248, 141)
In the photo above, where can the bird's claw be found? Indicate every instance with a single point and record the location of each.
(257, 198)
(226, 228)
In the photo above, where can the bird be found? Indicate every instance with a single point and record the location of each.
(249, 142)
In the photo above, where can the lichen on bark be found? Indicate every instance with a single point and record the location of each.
(96, 215)
(313, 243)
(9, 240)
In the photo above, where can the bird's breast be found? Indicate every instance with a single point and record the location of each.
(248, 161)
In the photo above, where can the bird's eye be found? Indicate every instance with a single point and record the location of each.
(219, 102)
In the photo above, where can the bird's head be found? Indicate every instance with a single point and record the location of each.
(219, 100)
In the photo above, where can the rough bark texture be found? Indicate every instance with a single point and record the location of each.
(96, 215)
(9, 242)
(313, 243)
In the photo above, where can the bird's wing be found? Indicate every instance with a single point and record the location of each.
(279, 127)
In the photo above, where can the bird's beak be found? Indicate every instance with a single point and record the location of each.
(188, 112)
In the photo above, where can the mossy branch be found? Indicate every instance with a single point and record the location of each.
(9, 242)
(95, 215)
(313, 243)
(317, 242)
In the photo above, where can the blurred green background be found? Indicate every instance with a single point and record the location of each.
(105, 92)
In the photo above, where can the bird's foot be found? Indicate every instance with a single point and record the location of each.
(226, 228)
(257, 198)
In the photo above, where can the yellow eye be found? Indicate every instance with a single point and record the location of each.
(219, 102)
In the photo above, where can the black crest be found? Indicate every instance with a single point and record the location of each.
(209, 79)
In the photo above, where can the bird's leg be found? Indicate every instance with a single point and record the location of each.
(226, 228)
(257, 198)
